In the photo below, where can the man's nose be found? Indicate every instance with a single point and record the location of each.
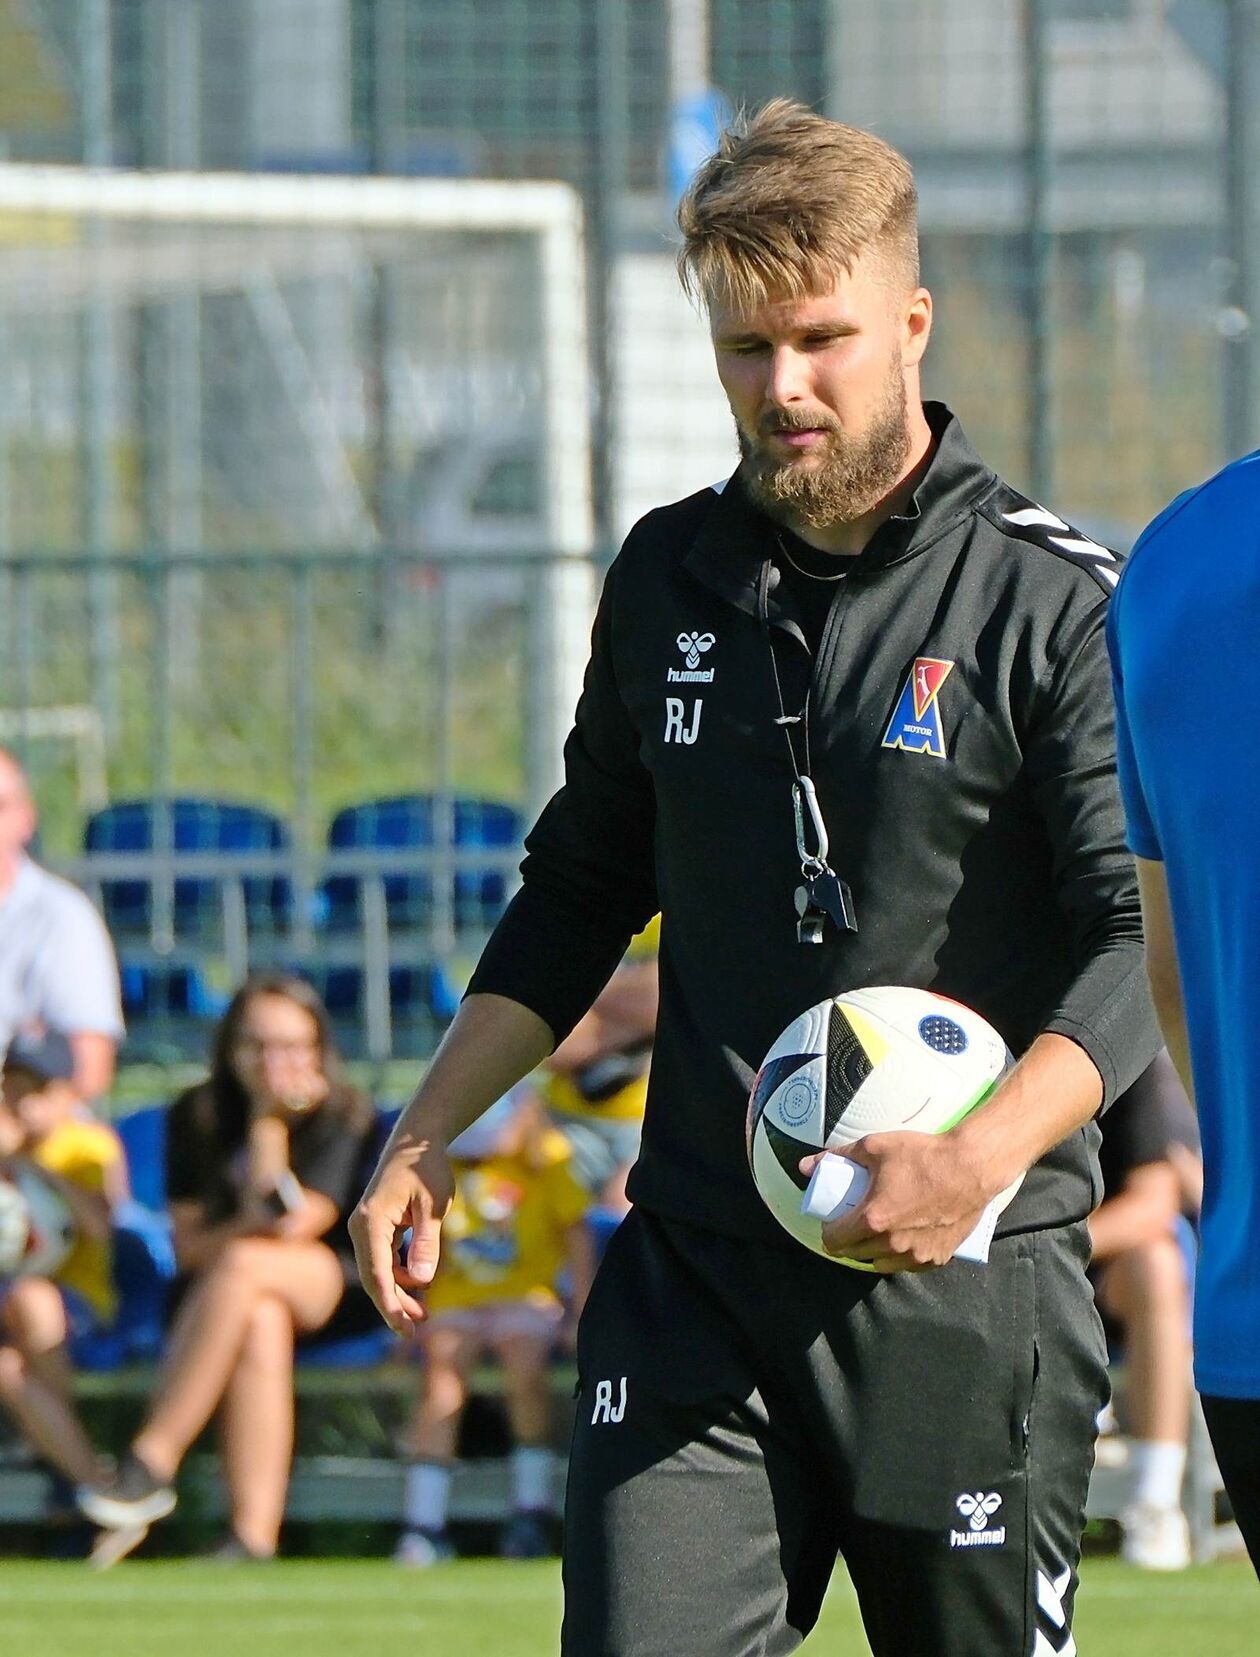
(786, 381)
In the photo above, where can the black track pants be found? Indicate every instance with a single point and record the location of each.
(747, 1412)
(1234, 1427)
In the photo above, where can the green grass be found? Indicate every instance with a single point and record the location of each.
(340, 1608)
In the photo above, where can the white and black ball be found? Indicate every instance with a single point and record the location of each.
(868, 1061)
(37, 1229)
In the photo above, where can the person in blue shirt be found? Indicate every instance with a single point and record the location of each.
(1184, 632)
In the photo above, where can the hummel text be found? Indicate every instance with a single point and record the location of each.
(978, 1509)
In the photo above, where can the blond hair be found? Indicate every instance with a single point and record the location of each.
(787, 204)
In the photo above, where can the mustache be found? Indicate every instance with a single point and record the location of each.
(788, 420)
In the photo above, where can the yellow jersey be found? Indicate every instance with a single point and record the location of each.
(84, 1153)
(563, 1098)
(504, 1238)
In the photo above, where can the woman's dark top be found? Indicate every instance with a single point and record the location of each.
(331, 1150)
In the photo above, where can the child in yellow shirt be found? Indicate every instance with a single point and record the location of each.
(516, 1222)
(595, 1083)
(41, 1127)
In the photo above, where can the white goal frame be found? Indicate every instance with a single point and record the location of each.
(563, 589)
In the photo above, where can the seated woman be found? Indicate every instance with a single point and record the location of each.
(264, 1161)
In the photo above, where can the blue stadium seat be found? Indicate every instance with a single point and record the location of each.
(159, 991)
(143, 1135)
(423, 991)
(485, 825)
(198, 825)
(382, 825)
(349, 1351)
(408, 822)
(180, 989)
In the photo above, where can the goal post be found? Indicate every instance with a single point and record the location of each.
(498, 264)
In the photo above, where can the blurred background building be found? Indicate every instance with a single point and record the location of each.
(302, 487)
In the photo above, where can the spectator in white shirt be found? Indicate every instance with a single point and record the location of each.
(58, 974)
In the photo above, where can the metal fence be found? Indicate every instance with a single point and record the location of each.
(333, 432)
(309, 791)
(1088, 172)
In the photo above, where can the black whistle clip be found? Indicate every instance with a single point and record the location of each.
(823, 896)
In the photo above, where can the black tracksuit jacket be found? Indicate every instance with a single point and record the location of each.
(993, 871)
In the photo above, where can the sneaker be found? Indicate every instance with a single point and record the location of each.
(132, 1497)
(1155, 1538)
(528, 1534)
(422, 1548)
(112, 1545)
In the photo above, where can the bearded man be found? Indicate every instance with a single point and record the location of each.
(865, 617)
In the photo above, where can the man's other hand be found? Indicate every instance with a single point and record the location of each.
(412, 1188)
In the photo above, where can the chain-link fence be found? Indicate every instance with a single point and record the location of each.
(1087, 221)
(375, 399)
(305, 793)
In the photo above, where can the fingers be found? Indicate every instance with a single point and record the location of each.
(846, 1241)
(873, 1254)
(372, 1232)
(850, 1236)
(856, 1237)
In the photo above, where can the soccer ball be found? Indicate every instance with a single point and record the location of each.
(867, 1061)
(36, 1227)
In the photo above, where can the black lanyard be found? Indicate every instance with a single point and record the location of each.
(822, 895)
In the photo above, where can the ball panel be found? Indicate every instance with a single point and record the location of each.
(806, 1034)
(901, 1093)
(782, 1192)
(787, 1151)
(968, 1105)
(871, 1032)
(943, 1035)
(773, 1075)
(849, 1065)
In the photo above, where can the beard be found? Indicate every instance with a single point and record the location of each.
(843, 482)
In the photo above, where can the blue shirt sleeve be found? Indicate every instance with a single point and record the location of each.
(1140, 835)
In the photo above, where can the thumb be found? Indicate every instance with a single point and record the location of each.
(862, 1152)
(425, 1245)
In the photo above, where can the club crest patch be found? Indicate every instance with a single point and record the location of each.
(915, 726)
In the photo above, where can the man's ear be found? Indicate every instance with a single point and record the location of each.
(916, 327)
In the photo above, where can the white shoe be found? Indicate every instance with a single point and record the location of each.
(1155, 1538)
(422, 1548)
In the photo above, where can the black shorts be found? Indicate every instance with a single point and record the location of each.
(747, 1412)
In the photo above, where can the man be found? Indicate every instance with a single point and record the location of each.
(1183, 634)
(58, 975)
(865, 612)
